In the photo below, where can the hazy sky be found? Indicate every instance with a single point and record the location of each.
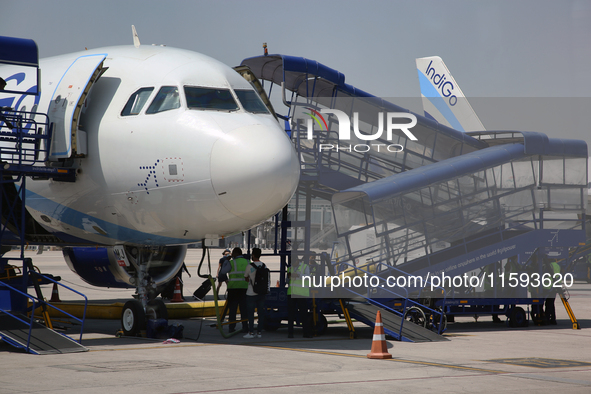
(530, 48)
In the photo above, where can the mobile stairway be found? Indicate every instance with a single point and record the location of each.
(26, 333)
(25, 139)
(366, 312)
(497, 202)
(448, 203)
(448, 220)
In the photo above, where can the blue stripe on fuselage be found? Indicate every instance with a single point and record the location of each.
(113, 231)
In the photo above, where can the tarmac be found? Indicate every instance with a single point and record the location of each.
(481, 356)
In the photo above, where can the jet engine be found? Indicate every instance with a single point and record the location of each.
(118, 266)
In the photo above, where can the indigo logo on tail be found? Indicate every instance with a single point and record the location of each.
(440, 81)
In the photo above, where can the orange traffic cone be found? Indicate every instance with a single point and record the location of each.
(55, 295)
(177, 297)
(379, 347)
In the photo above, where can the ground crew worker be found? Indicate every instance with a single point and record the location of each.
(297, 298)
(550, 308)
(313, 265)
(512, 266)
(237, 286)
(226, 254)
(537, 310)
(489, 290)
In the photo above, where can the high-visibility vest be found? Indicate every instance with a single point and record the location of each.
(556, 268)
(551, 269)
(295, 284)
(236, 274)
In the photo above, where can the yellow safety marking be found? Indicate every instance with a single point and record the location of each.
(536, 362)
(113, 311)
(151, 347)
(393, 359)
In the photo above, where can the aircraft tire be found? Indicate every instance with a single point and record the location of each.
(133, 318)
(156, 309)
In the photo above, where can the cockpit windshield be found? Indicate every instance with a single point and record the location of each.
(166, 99)
(136, 101)
(210, 98)
(251, 101)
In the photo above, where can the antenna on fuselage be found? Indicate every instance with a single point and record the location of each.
(136, 38)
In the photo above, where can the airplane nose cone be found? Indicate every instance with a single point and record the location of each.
(254, 171)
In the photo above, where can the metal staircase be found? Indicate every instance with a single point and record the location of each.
(448, 203)
(25, 140)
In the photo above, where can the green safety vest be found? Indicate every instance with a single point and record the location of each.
(236, 274)
(555, 268)
(295, 284)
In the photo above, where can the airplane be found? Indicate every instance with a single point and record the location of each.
(170, 147)
(443, 100)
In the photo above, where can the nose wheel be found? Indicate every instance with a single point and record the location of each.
(133, 318)
(136, 312)
(156, 309)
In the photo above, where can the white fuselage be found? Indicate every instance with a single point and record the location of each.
(171, 177)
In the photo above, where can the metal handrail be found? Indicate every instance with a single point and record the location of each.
(36, 301)
(27, 133)
(30, 324)
(405, 297)
(64, 312)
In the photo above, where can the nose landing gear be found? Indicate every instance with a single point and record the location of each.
(135, 313)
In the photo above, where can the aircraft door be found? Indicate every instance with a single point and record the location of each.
(66, 103)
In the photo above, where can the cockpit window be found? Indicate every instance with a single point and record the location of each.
(136, 102)
(166, 99)
(210, 98)
(251, 101)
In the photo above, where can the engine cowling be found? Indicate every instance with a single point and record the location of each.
(116, 266)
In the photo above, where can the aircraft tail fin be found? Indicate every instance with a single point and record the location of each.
(443, 100)
(136, 38)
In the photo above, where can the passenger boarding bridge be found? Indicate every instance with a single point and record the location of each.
(449, 202)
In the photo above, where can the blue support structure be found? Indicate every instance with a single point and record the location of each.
(25, 139)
